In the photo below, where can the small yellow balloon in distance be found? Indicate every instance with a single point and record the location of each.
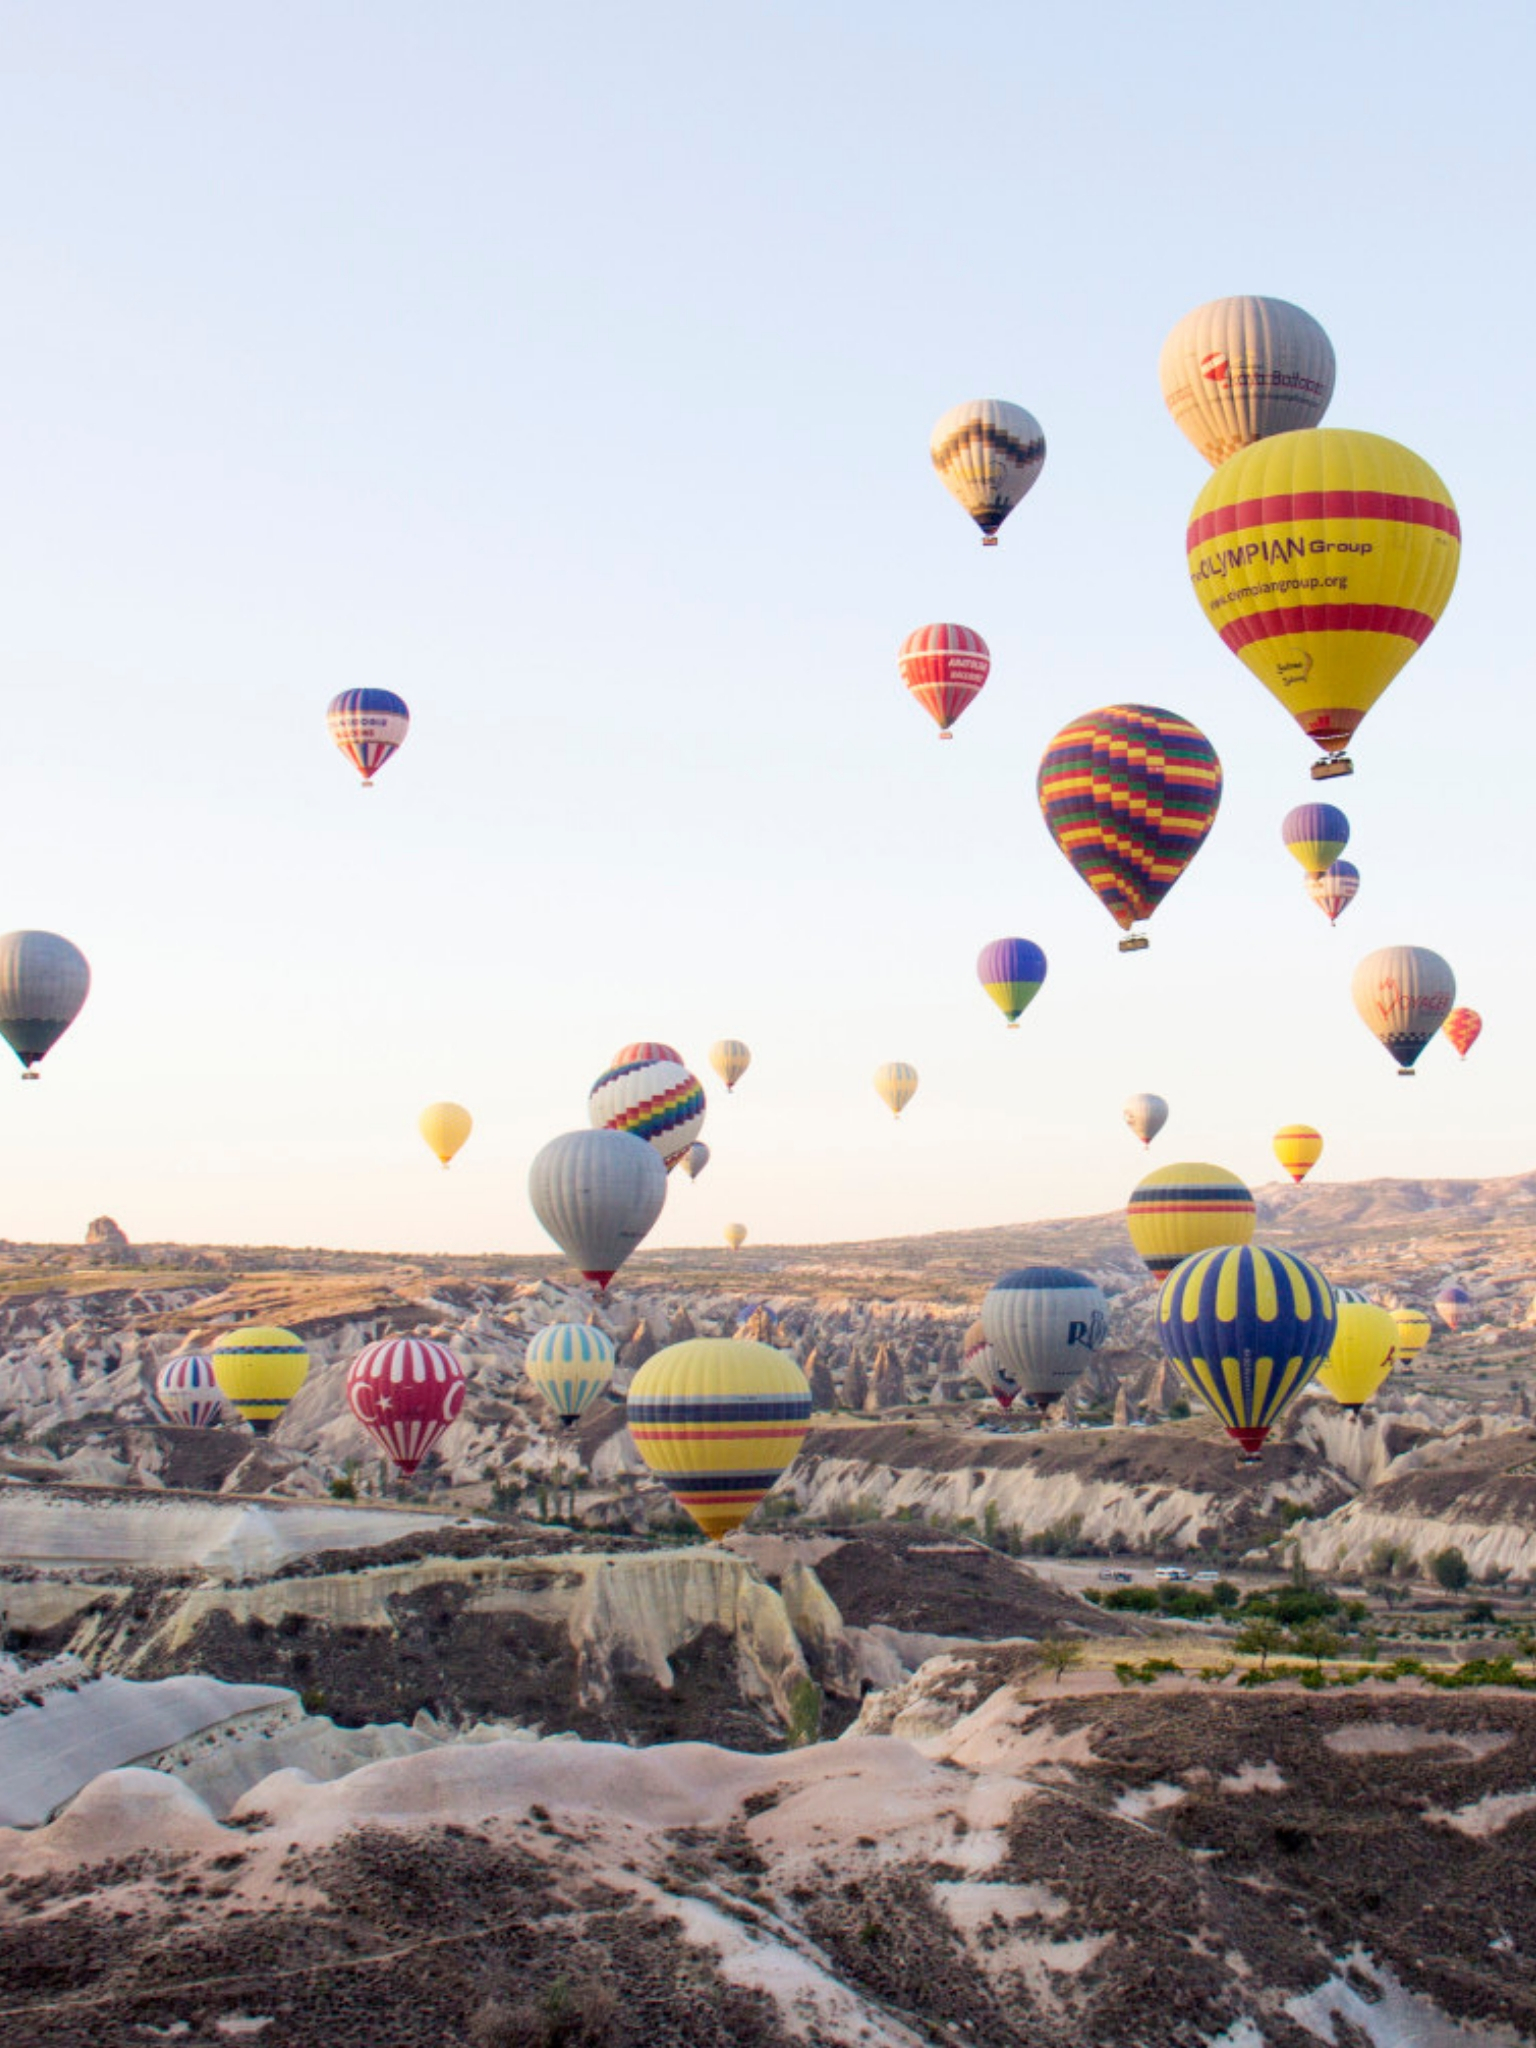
(1364, 1352)
(896, 1084)
(1414, 1330)
(445, 1126)
(735, 1235)
(1298, 1148)
(259, 1369)
(719, 1420)
(730, 1059)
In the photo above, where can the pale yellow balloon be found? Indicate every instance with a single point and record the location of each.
(896, 1084)
(445, 1126)
(735, 1235)
(730, 1060)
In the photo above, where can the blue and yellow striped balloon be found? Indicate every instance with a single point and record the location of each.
(1246, 1328)
(1011, 971)
(1178, 1210)
(718, 1420)
(570, 1364)
(259, 1369)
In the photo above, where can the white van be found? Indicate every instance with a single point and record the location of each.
(1170, 1571)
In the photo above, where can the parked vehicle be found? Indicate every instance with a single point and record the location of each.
(1116, 1578)
(1170, 1571)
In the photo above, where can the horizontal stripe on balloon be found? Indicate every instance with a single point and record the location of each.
(789, 1407)
(1304, 505)
(1286, 620)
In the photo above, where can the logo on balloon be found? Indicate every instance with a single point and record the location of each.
(1213, 367)
(1090, 1333)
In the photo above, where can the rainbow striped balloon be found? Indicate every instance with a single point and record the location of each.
(1129, 794)
(1011, 971)
(718, 1420)
(1246, 1328)
(570, 1364)
(646, 1049)
(368, 726)
(1185, 1208)
(405, 1391)
(187, 1391)
(657, 1100)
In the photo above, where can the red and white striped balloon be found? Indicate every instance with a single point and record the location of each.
(405, 1391)
(944, 667)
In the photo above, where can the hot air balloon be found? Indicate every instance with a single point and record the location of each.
(597, 1193)
(1185, 1208)
(368, 726)
(1453, 1305)
(735, 1235)
(1343, 1294)
(259, 1370)
(695, 1159)
(1335, 888)
(445, 1126)
(1315, 834)
(1129, 793)
(944, 667)
(1044, 1323)
(657, 1100)
(1323, 560)
(988, 454)
(730, 1060)
(1463, 1028)
(896, 1084)
(570, 1364)
(718, 1420)
(1146, 1115)
(986, 1368)
(645, 1050)
(1298, 1148)
(1246, 1328)
(187, 1391)
(1414, 1330)
(405, 1391)
(1011, 971)
(1364, 1352)
(44, 981)
(1240, 370)
(1403, 995)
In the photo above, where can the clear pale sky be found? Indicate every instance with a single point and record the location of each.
(570, 371)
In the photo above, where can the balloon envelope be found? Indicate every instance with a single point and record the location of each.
(368, 726)
(657, 1100)
(44, 981)
(597, 1193)
(1239, 370)
(1323, 560)
(1403, 994)
(1334, 888)
(718, 1420)
(259, 1369)
(1184, 1208)
(695, 1159)
(944, 668)
(570, 1364)
(645, 1049)
(1414, 1330)
(986, 1368)
(1454, 1306)
(1011, 971)
(187, 1391)
(1298, 1148)
(988, 453)
(1129, 794)
(730, 1059)
(896, 1084)
(1146, 1115)
(1044, 1323)
(1246, 1328)
(1363, 1353)
(405, 1391)
(1463, 1028)
(1315, 834)
(735, 1235)
(445, 1126)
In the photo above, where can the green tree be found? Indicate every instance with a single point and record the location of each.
(1060, 1653)
(1260, 1638)
(1450, 1569)
(1316, 1640)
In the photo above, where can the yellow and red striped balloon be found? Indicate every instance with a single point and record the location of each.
(718, 1420)
(1324, 560)
(1298, 1148)
(1463, 1028)
(1186, 1208)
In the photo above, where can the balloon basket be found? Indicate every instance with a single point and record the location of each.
(366, 785)
(989, 540)
(1014, 1025)
(1403, 1074)
(1138, 942)
(946, 735)
(1330, 766)
(28, 1074)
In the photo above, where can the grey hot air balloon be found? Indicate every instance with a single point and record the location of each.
(1237, 371)
(1146, 1115)
(597, 1193)
(44, 981)
(1043, 1324)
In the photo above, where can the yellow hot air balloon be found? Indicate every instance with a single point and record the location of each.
(735, 1235)
(1186, 1208)
(1364, 1352)
(445, 1126)
(259, 1369)
(718, 1419)
(730, 1060)
(1298, 1148)
(1324, 559)
(1239, 370)
(1414, 1330)
(896, 1084)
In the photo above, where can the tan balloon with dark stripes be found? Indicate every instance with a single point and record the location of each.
(989, 453)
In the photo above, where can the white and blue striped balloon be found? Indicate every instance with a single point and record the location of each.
(570, 1364)
(187, 1391)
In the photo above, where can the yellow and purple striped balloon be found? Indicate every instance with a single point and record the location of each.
(1011, 971)
(719, 1420)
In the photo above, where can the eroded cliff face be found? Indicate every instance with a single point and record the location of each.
(1473, 1491)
